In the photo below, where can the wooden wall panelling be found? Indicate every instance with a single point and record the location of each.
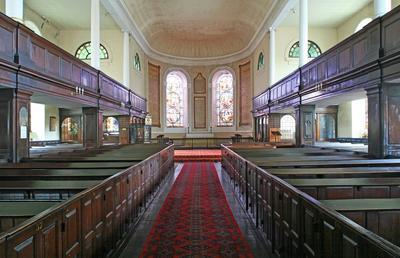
(92, 127)
(71, 229)
(245, 94)
(200, 112)
(200, 84)
(109, 204)
(154, 93)
(8, 34)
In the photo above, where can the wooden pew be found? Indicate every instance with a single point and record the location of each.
(348, 188)
(285, 159)
(13, 213)
(43, 189)
(69, 165)
(381, 216)
(350, 172)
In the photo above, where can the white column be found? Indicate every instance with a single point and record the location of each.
(15, 9)
(382, 7)
(303, 31)
(125, 63)
(272, 61)
(95, 34)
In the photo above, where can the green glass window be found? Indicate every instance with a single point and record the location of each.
(260, 64)
(313, 50)
(136, 63)
(84, 52)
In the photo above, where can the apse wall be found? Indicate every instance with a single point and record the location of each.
(242, 98)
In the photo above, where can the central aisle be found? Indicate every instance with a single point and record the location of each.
(195, 219)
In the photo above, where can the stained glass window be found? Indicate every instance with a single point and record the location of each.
(313, 50)
(175, 102)
(260, 61)
(111, 125)
(137, 64)
(288, 127)
(84, 52)
(224, 99)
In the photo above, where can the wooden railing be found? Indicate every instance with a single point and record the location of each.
(357, 62)
(44, 67)
(95, 222)
(295, 225)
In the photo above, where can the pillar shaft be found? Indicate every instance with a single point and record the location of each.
(95, 34)
(382, 7)
(303, 32)
(126, 56)
(272, 61)
(15, 9)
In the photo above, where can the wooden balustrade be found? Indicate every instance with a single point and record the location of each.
(95, 222)
(294, 224)
(43, 67)
(357, 62)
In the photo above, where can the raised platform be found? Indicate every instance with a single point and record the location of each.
(197, 155)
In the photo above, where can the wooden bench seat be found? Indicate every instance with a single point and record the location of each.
(331, 163)
(12, 213)
(349, 188)
(301, 158)
(350, 172)
(42, 189)
(381, 216)
(69, 165)
(57, 174)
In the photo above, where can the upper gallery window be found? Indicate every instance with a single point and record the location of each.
(260, 64)
(362, 24)
(136, 62)
(176, 99)
(84, 52)
(313, 50)
(223, 92)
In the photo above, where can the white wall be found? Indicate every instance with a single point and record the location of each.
(48, 30)
(325, 38)
(2, 6)
(261, 76)
(51, 111)
(70, 40)
(345, 120)
(348, 27)
(138, 79)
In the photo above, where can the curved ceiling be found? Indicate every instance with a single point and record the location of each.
(196, 29)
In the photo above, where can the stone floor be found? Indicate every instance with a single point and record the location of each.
(138, 238)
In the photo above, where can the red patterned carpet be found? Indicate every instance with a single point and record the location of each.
(197, 155)
(195, 219)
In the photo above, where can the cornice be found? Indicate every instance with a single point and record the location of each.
(120, 13)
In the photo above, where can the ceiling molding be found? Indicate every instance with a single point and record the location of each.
(123, 18)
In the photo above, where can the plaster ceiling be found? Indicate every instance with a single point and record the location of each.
(325, 13)
(70, 14)
(198, 29)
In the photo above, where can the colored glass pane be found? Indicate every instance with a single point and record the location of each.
(175, 100)
(260, 64)
(137, 64)
(313, 50)
(84, 52)
(224, 99)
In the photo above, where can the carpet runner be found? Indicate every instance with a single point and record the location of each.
(197, 155)
(195, 219)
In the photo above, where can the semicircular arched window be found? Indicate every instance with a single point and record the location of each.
(223, 98)
(313, 50)
(84, 52)
(176, 99)
(136, 62)
(260, 64)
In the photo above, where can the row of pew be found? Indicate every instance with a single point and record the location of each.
(313, 202)
(80, 203)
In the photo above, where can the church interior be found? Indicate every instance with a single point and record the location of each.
(213, 128)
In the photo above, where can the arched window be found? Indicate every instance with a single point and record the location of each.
(136, 63)
(362, 24)
(176, 99)
(313, 50)
(223, 98)
(31, 25)
(84, 52)
(288, 127)
(260, 64)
